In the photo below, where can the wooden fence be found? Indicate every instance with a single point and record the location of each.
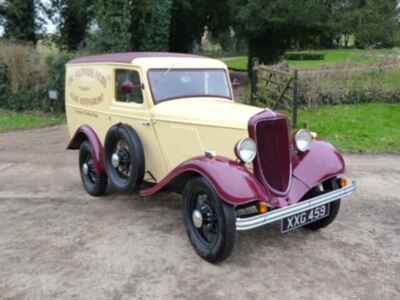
(276, 89)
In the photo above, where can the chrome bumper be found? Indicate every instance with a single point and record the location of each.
(278, 214)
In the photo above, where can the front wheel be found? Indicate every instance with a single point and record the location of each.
(334, 208)
(210, 223)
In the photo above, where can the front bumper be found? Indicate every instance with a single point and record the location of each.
(281, 213)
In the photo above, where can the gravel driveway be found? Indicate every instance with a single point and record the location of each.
(56, 242)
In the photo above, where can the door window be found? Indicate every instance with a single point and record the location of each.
(128, 87)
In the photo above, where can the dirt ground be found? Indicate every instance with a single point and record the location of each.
(56, 242)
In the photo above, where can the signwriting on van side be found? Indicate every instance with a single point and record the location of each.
(79, 75)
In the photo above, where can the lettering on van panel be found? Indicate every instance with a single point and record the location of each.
(87, 100)
(91, 73)
(82, 80)
(86, 113)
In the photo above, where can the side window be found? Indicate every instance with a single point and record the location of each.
(128, 87)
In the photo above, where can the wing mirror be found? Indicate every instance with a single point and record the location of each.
(236, 83)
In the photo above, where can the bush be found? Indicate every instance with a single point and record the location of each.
(23, 77)
(56, 64)
(26, 67)
(26, 76)
(304, 56)
(350, 87)
(4, 84)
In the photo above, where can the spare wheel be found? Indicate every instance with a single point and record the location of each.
(124, 158)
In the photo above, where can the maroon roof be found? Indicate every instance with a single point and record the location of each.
(126, 57)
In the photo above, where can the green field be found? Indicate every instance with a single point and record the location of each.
(27, 120)
(332, 57)
(365, 128)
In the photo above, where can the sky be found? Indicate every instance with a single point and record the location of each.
(49, 27)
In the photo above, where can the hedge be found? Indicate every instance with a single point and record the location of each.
(35, 96)
(56, 81)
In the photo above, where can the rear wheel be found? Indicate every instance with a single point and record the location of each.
(94, 182)
(334, 208)
(210, 223)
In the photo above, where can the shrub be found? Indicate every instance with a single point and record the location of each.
(4, 84)
(26, 76)
(349, 86)
(56, 64)
(26, 67)
(23, 77)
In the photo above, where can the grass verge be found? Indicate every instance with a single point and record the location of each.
(27, 120)
(363, 128)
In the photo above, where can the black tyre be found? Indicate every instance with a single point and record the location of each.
(124, 158)
(334, 208)
(95, 183)
(210, 223)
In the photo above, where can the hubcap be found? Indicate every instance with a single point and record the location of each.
(197, 218)
(115, 160)
(85, 169)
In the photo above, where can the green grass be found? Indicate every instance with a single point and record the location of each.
(337, 57)
(332, 57)
(366, 128)
(237, 63)
(26, 120)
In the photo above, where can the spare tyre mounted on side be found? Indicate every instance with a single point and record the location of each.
(124, 158)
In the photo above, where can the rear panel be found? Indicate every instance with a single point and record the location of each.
(87, 96)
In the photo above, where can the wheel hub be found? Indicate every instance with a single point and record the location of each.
(115, 160)
(197, 218)
(85, 169)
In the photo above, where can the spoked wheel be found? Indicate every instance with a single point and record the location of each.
(204, 219)
(121, 160)
(124, 158)
(95, 183)
(210, 223)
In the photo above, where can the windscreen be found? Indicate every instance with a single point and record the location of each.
(169, 84)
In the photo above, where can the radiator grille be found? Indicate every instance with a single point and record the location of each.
(273, 165)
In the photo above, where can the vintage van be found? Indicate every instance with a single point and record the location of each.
(170, 121)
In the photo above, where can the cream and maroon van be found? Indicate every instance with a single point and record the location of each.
(170, 120)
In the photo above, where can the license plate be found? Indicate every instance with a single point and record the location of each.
(304, 218)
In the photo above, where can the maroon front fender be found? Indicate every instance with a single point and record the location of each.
(232, 181)
(320, 163)
(83, 133)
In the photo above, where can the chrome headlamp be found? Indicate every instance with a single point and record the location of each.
(303, 139)
(246, 150)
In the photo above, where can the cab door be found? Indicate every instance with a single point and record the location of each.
(130, 106)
